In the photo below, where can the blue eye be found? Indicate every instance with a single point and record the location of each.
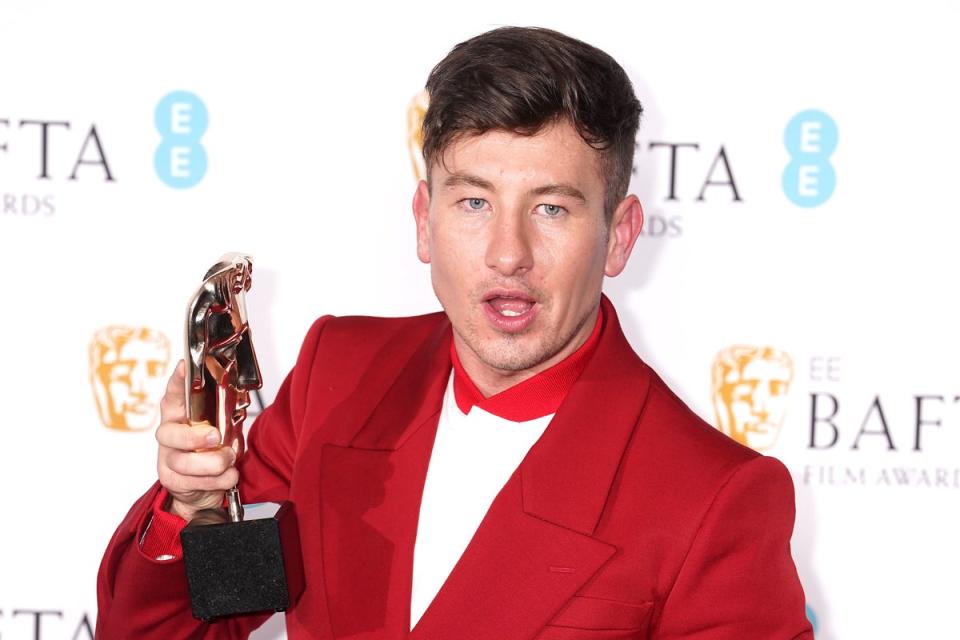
(476, 203)
(551, 210)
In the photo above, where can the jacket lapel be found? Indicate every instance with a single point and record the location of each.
(517, 572)
(370, 494)
(568, 474)
(536, 547)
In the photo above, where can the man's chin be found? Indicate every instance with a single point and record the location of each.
(510, 364)
(507, 355)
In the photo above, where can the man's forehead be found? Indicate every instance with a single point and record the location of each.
(556, 154)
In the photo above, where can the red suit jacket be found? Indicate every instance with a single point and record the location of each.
(629, 518)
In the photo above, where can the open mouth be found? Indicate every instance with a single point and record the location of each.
(510, 311)
(510, 307)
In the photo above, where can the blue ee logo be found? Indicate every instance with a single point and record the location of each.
(811, 138)
(181, 119)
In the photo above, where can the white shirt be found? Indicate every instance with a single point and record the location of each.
(473, 457)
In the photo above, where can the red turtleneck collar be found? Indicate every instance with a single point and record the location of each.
(533, 398)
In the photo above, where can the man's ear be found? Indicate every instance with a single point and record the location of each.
(421, 214)
(625, 226)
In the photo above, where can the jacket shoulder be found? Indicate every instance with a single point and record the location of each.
(372, 331)
(345, 343)
(682, 469)
(685, 460)
(676, 429)
(352, 360)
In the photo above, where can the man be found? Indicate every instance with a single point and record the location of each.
(508, 468)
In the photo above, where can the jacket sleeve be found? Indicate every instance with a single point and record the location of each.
(140, 597)
(738, 580)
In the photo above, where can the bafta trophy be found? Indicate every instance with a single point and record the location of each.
(238, 560)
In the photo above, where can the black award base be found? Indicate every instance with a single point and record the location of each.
(243, 567)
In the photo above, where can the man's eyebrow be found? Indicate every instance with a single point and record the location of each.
(559, 190)
(458, 179)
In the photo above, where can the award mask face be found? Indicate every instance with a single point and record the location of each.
(222, 366)
(128, 367)
(750, 387)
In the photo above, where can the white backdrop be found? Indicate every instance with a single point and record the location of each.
(307, 169)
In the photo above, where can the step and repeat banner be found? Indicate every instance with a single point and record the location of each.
(796, 281)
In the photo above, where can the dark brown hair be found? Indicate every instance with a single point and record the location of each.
(521, 79)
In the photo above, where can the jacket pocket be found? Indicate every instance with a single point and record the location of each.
(595, 618)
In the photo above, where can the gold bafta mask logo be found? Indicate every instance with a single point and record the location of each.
(750, 386)
(415, 114)
(128, 367)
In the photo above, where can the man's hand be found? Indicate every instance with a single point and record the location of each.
(191, 464)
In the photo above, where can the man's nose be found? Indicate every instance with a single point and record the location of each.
(509, 251)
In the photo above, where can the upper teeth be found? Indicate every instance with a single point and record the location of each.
(510, 312)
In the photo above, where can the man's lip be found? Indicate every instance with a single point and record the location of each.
(509, 323)
(508, 293)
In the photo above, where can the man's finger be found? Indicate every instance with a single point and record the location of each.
(177, 435)
(190, 488)
(201, 463)
(172, 406)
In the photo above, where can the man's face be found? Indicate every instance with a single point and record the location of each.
(758, 402)
(515, 233)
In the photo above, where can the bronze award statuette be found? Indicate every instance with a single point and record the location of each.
(238, 559)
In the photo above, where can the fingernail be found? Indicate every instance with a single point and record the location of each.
(213, 438)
